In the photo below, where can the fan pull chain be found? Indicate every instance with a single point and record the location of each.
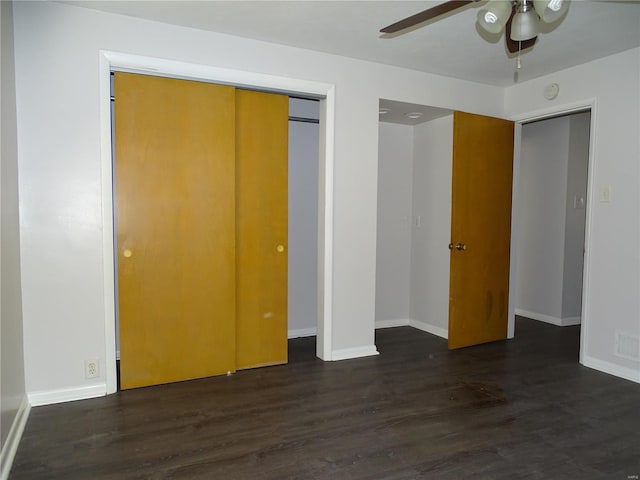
(518, 61)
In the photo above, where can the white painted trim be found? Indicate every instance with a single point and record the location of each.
(324, 341)
(591, 202)
(554, 111)
(432, 329)
(48, 397)
(302, 332)
(108, 260)
(611, 368)
(402, 322)
(326, 92)
(589, 104)
(357, 352)
(513, 257)
(394, 322)
(10, 446)
(541, 317)
(570, 321)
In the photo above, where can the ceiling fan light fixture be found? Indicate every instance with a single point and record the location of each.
(524, 25)
(522, 19)
(494, 15)
(550, 10)
(555, 5)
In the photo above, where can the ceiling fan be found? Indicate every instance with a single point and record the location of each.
(520, 19)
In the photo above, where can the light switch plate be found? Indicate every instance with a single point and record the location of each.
(605, 194)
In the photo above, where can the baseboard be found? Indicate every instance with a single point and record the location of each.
(347, 353)
(541, 317)
(612, 368)
(302, 332)
(394, 322)
(10, 446)
(48, 397)
(569, 321)
(427, 327)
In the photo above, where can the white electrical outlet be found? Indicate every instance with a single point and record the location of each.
(91, 368)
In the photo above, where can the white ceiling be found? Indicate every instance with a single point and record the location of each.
(451, 46)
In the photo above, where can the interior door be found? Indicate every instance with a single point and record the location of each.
(175, 209)
(261, 228)
(480, 229)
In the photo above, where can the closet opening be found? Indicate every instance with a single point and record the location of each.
(310, 128)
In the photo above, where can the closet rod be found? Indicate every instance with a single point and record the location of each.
(304, 120)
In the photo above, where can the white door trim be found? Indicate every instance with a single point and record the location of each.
(555, 111)
(156, 66)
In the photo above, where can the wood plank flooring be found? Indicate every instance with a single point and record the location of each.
(520, 409)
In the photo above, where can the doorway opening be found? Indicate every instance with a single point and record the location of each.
(424, 222)
(550, 218)
(414, 216)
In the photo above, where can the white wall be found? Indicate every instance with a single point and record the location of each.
(57, 68)
(12, 382)
(303, 218)
(395, 165)
(612, 295)
(431, 201)
(541, 204)
(575, 217)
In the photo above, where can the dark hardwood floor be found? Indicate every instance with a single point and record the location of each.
(518, 409)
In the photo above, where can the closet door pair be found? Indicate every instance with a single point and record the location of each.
(200, 188)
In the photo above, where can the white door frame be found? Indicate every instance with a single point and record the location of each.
(556, 111)
(154, 66)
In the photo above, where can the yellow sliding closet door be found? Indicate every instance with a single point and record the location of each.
(175, 208)
(261, 228)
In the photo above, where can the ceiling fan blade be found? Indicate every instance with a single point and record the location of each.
(425, 15)
(512, 45)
